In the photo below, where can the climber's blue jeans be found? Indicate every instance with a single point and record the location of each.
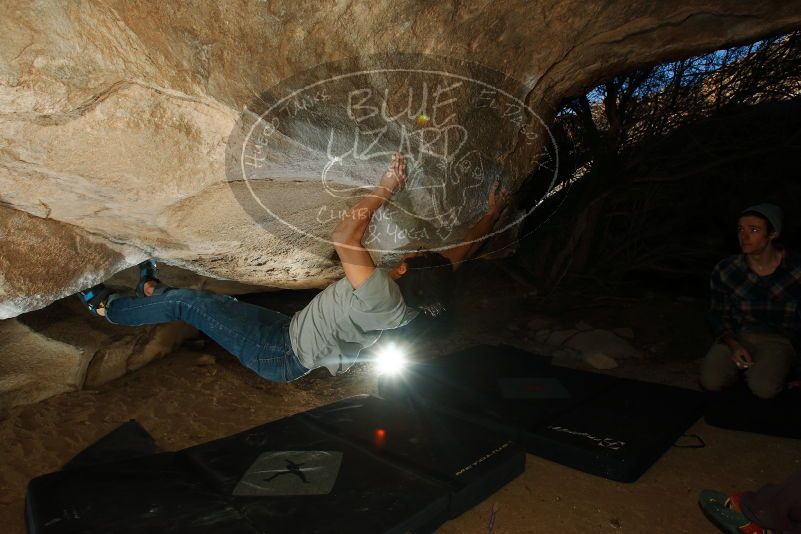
(257, 336)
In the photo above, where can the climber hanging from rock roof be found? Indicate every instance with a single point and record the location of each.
(337, 324)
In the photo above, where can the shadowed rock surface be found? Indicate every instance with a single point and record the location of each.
(115, 117)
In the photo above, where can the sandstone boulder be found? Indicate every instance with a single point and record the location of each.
(600, 341)
(116, 119)
(134, 129)
(34, 366)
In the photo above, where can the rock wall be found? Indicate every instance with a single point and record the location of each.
(115, 116)
(63, 348)
(40, 366)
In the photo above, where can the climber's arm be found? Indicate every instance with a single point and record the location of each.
(348, 234)
(474, 238)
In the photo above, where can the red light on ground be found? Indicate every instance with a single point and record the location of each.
(380, 437)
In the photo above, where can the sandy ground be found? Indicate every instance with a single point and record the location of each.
(182, 402)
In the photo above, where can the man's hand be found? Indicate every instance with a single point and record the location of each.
(741, 357)
(499, 197)
(395, 178)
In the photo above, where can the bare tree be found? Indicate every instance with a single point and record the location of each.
(646, 142)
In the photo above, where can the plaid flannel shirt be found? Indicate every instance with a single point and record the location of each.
(743, 300)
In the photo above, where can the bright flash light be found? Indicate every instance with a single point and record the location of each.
(390, 360)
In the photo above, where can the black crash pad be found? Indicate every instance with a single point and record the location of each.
(498, 387)
(358, 465)
(473, 463)
(738, 409)
(129, 440)
(599, 424)
(619, 433)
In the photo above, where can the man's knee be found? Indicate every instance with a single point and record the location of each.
(713, 383)
(184, 302)
(191, 297)
(774, 360)
(717, 370)
(765, 388)
(184, 293)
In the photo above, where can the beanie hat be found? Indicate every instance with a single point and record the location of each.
(771, 212)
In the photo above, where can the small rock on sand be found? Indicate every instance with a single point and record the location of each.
(206, 360)
(602, 341)
(625, 332)
(538, 323)
(557, 338)
(599, 360)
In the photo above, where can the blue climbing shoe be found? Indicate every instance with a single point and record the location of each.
(96, 298)
(148, 270)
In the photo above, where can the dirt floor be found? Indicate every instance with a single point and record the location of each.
(184, 400)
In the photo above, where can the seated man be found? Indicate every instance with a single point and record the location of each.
(754, 311)
(336, 325)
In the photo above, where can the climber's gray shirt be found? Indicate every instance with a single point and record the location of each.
(341, 321)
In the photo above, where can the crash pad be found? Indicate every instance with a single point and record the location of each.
(363, 464)
(597, 423)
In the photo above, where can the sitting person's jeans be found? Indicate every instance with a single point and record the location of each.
(773, 357)
(257, 336)
(776, 506)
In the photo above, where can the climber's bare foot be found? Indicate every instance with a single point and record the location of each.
(149, 287)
